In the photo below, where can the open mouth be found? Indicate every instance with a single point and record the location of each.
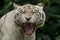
(29, 28)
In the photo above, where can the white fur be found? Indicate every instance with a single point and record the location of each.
(10, 31)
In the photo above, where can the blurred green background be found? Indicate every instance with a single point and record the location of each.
(51, 29)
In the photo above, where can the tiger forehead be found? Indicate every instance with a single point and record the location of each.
(28, 7)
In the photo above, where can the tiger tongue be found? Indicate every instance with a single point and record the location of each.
(29, 29)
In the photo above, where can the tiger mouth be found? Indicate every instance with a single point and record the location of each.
(28, 28)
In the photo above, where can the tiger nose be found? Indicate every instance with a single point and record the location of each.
(28, 19)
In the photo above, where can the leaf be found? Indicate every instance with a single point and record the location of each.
(58, 38)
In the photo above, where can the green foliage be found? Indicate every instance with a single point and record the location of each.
(58, 38)
(6, 8)
(51, 29)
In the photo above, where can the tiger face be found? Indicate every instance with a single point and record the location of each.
(30, 17)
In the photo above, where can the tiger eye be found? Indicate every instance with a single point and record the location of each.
(20, 11)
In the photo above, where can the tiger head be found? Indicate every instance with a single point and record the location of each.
(29, 17)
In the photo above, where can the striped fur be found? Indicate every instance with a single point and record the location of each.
(10, 23)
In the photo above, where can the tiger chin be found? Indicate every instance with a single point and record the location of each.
(21, 23)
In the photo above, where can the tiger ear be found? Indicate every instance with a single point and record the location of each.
(41, 5)
(16, 5)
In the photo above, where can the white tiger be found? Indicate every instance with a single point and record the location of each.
(21, 23)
